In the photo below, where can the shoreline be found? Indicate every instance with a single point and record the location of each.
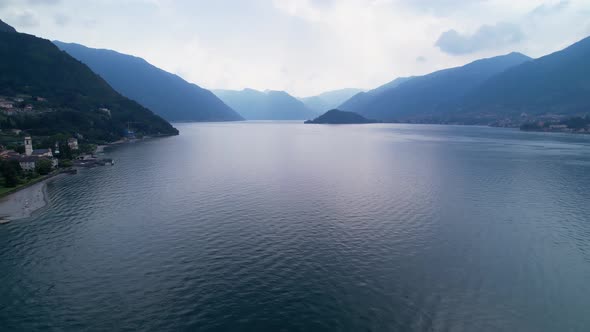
(556, 132)
(22, 202)
(25, 201)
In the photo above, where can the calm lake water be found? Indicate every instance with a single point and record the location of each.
(292, 227)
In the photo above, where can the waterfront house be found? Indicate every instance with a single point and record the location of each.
(29, 160)
(6, 104)
(8, 154)
(43, 153)
(105, 111)
(73, 143)
(27, 163)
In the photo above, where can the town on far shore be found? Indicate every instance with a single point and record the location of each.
(24, 163)
(31, 155)
(576, 125)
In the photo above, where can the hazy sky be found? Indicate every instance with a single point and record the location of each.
(305, 46)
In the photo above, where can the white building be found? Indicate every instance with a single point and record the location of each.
(73, 143)
(28, 162)
(28, 146)
(48, 153)
(6, 104)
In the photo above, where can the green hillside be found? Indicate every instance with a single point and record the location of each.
(65, 95)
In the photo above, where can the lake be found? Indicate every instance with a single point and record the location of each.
(280, 226)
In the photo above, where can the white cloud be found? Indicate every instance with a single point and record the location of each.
(61, 19)
(550, 8)
(487, 37)
(302, 46)
(25, 19)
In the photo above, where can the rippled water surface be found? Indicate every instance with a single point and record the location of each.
(285, 226)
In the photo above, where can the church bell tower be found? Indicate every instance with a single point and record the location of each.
(28, 146)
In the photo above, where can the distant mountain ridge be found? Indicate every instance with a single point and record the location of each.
(391, 85)
(558, 83)
(329, 100)
(359, 99)
(65, 95)
(424, 96)
(166, 94)
(268, 105)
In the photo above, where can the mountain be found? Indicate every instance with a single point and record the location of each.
(164, 93)
(358, 100)
(340, 117)
(424, 97)
(268, 105)
(55, 93)
(388, 86)
(329, 100)
(6, 28)
(558, 83)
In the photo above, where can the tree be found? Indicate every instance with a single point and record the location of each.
(65, 152)
(11, 171)
(87, 148)
(43, 166)
(66, 163)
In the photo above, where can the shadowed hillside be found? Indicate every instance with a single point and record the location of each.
(166, 94)
(63, 95)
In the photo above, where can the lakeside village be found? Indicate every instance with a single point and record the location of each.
(554, 123)
(23, 165)
(576, 125)
(24, 162)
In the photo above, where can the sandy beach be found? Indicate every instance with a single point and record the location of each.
(24, 202)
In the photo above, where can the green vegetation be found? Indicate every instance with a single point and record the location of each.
(27, 179)
(43, 166)
(11, 172)
(74, 99)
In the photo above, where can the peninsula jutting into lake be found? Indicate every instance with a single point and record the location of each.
(340, 117)
(294, 165)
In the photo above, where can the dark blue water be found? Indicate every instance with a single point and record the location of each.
(284, 226)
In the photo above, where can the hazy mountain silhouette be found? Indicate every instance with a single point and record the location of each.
(340, 117)
(329, 100)
(360, 99)
(423, 96)
(267, 105)
(393, 84)
(166, 94)
(557, 83)
(72, 98)
(6, 28)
